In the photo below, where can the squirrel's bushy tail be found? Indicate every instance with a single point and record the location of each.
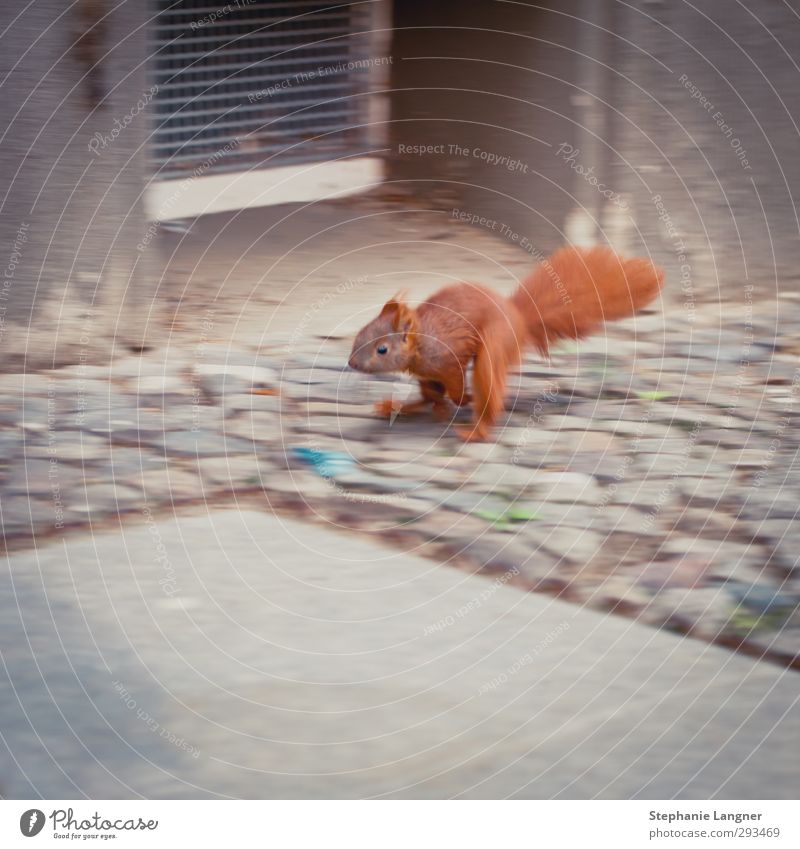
(574, 291)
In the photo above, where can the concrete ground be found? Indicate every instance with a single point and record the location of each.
(238, 654)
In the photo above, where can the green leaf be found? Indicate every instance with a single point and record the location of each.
(521, 513)
(742, 620)
(654, 395)
(490, 515)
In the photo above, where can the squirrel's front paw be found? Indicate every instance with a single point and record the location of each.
(385, 409)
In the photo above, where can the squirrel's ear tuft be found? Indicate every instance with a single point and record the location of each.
(393, 306)
(389, 308)
(404, 318)
(399, 312)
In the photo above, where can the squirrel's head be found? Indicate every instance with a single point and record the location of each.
(387, 343)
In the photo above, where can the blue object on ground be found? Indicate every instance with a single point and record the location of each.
(327, 464)
(763, 599)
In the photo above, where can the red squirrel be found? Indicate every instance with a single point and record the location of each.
(567, 296)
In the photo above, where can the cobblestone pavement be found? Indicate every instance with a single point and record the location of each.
(650, 471)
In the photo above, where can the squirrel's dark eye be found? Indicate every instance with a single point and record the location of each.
(382, 349)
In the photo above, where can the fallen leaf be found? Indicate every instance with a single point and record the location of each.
(520, 513)
(654, 395)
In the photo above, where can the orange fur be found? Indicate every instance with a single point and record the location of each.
(568, 296)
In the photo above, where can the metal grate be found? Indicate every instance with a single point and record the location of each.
(256, 84)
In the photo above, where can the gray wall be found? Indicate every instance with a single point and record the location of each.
(606, 79)
(725, 167)
(502, 85)
(72, 282)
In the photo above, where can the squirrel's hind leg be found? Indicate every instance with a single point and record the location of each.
(494, 358)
